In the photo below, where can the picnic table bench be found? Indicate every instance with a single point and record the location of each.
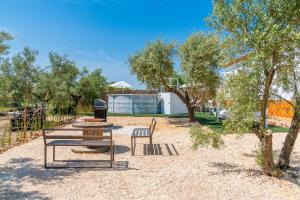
(77, 140)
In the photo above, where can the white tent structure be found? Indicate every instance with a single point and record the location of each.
(121, 84)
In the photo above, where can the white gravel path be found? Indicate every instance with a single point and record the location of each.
(176, 172)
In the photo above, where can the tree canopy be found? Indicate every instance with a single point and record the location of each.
(266, 32)
(154, 66)
(62, 84)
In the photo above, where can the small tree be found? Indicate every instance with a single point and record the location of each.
(154, 66)
(5, 70)
(22, 75)
(91, 85)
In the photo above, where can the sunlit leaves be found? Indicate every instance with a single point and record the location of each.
(153, 64)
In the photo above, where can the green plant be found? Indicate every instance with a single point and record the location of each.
(203, 136)
(259, 156)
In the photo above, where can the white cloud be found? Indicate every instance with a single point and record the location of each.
(98, 56)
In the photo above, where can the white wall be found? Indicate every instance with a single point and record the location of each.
(165, 102)
(171, 104)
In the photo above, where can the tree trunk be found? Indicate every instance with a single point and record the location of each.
(286, 151)
(186, 99)
(266, 137)
(268, 160)
(191, 110)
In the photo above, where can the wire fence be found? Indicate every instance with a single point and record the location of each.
(22, 125)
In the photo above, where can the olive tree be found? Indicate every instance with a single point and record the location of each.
(21, 74)
(199, 56)
(4, 68)
(264, 30)
(154, 66)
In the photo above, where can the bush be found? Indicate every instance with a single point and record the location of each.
(203, 136)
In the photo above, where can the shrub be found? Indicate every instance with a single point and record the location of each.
(203, 136)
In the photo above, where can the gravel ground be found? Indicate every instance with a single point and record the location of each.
(174, 172)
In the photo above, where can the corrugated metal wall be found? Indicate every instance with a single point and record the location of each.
(133, 103)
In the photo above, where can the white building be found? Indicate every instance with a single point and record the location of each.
(170, 103)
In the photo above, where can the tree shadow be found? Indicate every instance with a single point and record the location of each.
(20, 170)
(181, 122)
(13, 192)
(232, 168)
(292, 175)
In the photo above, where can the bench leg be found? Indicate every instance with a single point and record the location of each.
(111, 156)
(53, 153)
(132, 151)
(113, 148)
(45, 156)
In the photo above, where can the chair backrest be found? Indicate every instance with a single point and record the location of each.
(67, 134)
(152, 126)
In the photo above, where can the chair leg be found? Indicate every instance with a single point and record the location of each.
(45, 156)
(134, 144)
(151, 145)
(53, 153)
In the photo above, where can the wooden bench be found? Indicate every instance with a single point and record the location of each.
(142, 133)
(67, 139)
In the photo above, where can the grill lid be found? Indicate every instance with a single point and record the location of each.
(98, 103)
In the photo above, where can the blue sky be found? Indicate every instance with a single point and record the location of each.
(99, 33)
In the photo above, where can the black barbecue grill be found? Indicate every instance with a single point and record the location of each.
(100, 109)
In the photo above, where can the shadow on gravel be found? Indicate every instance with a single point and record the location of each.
(20, 170)
(161, 150)
(229, 168)
(292, 175)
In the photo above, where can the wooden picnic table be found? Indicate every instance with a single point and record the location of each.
(92, 129)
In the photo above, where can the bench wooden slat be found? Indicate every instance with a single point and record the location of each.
(104, 129)
(98, 143)
(77, 137)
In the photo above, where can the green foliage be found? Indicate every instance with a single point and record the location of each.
(62, 85)
(19, 76)
(203, 136)
(199, 56)
(63, 78)
(259, 158)
(4, 37)
(266, 31)
(91, 86)
(153, 64)
(243, 94)
(256, 27)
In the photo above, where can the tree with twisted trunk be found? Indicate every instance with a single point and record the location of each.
(266, 31)
(199, 54)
